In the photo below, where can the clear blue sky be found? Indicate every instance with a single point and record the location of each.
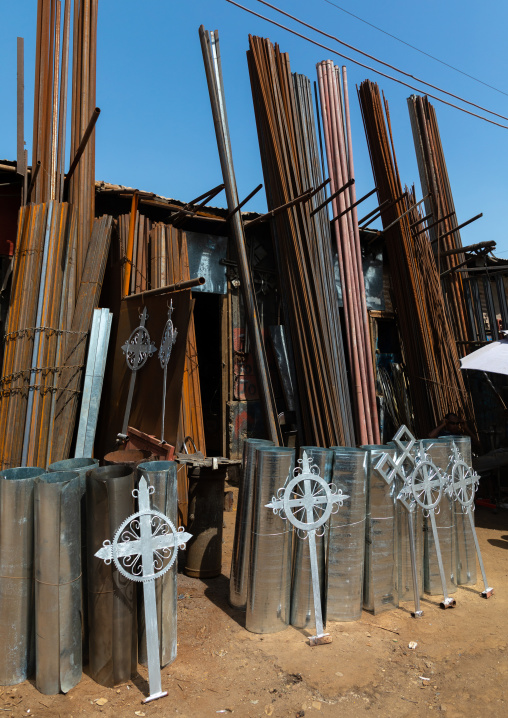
(156, 133)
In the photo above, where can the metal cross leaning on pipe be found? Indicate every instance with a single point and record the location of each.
(462, 486)
(423, 486)
(307, 501)
(144, 547)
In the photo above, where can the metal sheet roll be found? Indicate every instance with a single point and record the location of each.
(346, 537)
(302, 599)
(380, 590)
(439, 450)
(466, 550)
(81, 466)
(57, 560)
(243, 525)
(113, 638)
(269, 584)
(162, 476)
(16, 572)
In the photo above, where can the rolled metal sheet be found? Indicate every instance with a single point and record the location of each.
(113, 638)
(57, 560)
(302, 599)
(466, 550)
(162, 476)
(81, 466)
(16, 572)
(346, 537)
(243, 525)
(269, 584)
(439, 450)
(380, 590)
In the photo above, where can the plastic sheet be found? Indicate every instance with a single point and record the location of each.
(162, 476)
(466, 550)
(302, 599)
(380, 591)
(346, 537)
(57, 534)
(16, 574)
(113, 638)
(243, 526)
(439, 450)
(269, 584)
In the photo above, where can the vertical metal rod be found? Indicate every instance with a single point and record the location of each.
(20, 136)
(315, 582)
(412, 550)
(211, 58)
(478, 552)
(438, 552)
(130, 245)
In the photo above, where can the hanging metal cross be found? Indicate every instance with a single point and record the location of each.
(137, 349)
(144, 547)
(462, 486)
(168, 339)
(307, 501)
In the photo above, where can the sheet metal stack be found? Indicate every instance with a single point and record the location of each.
(290, 159)
(334, 97)
(429, 347)
(439, 204)
(381, 537)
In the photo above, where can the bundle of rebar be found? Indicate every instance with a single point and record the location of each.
(334, 97)
(440, 208)
(430, 353)
(291, 168)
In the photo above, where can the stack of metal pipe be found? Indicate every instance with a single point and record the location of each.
(291, 168)
(333, 91)
(430, 354)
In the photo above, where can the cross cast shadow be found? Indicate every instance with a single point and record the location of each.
(218, 592)
(498, 543)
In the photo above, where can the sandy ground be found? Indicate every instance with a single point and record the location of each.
(458, 669)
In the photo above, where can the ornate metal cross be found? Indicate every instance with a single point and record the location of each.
(137, 349)
(168, 339)
(144, 547)
(462, 486)
(307, 501)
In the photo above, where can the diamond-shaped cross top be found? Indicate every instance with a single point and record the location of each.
(388, 467)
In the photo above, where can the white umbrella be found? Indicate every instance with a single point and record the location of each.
(491, 357)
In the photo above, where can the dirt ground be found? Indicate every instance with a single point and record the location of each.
(459, 667)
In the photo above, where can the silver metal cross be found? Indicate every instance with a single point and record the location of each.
(137, 349)
(307, 501)
(144, 547)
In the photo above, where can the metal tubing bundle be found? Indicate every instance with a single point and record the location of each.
(346, 537)
(57, 539)
(269, 585)
(439, 450)
(431, 358)
(16, 569)
(135, 253)
(439, 204)
(339, 152)
(302, 599)
(111, 597)
(466, 549)
(243, 525)
(380, 592)
(162, 476)
(291, 167)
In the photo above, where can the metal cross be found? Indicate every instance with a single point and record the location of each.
(168, 339)
(307, 501)
(144, 547)
(462, 486)
(137, 349)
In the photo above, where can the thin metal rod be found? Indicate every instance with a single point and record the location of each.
(419, 221)
(456, 229)
(392, 224)
(412, 552)
(377, 211)
(342, 189)
(489, 245)
(434, 224)
(191, 209)
(177, 287)
(478, 552)
(244, 201)
(20, 112)
(83, 143)
(355, 204)
(301, 198)
(438, 553)
(130, 244)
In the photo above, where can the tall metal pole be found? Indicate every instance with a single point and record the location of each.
(213, 69)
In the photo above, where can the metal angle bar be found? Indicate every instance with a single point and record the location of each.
(244, 201)
(93, 357)
(177, 287)
(97, 382)
(490, 245)
(83, 144)
(344, 187)
(33, 178)
(301, 198)
(456, 229)
(358, 201)
(438, 221)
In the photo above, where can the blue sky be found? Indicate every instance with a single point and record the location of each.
(156, 133)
